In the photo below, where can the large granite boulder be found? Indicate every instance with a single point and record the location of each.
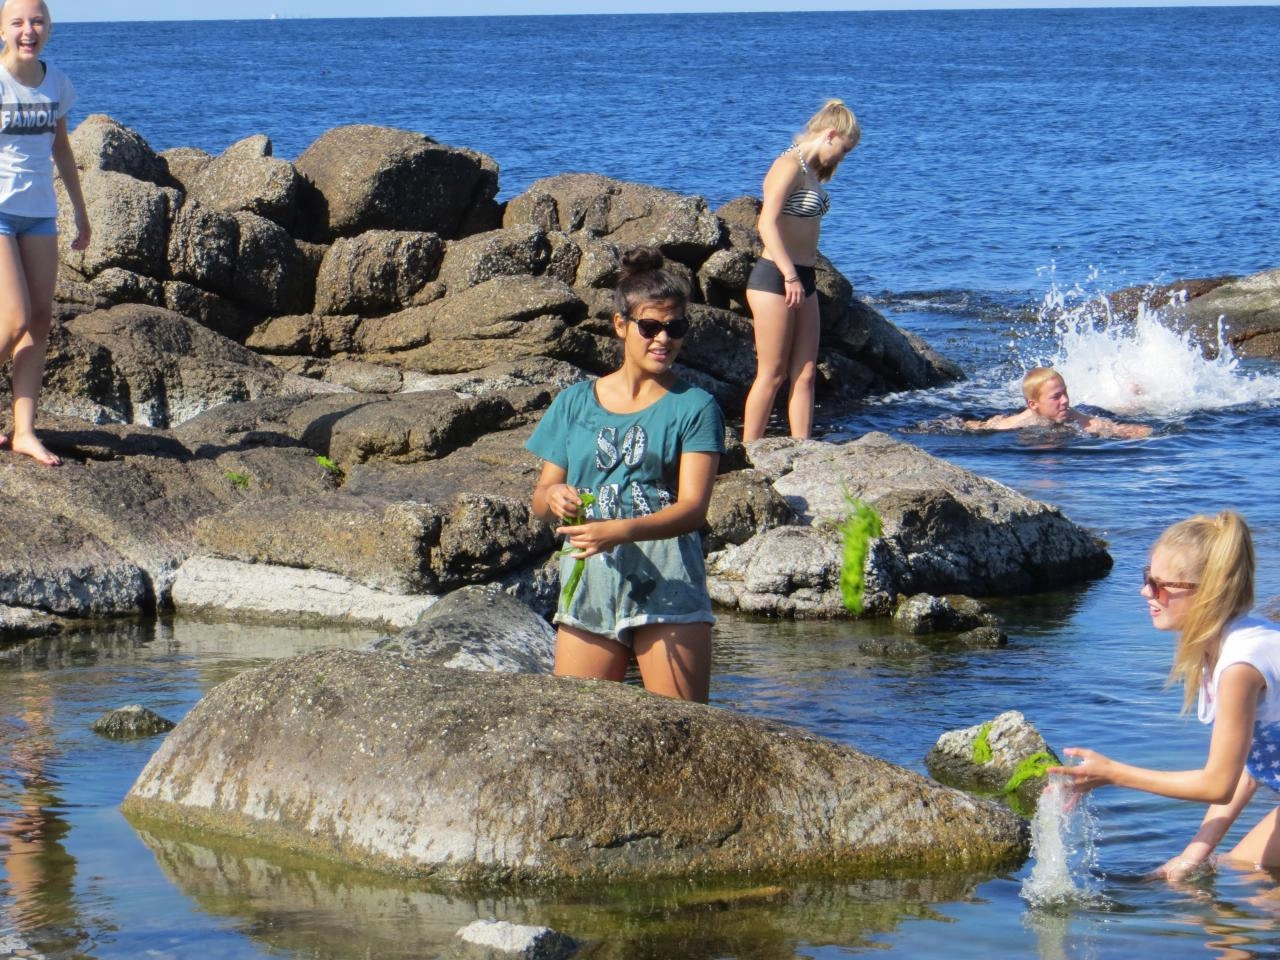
(382, 762)
(246, 177)
(1249, 311)
(945, 530)
(376, 178)
(378, 272)
(101, 143)
(146, 365)
(626, 214)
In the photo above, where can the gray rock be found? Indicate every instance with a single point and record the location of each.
(306, 334)
(18, 623)
(374, 759)
(518, 251)
(126, 723)
(247, 177)
(272, 274)
(267, 593)
(477, 628)
(185, 163)
(159, 368)
(129, 219)
(945, 530)
(743, 504)
(626, 214)
(377, 272)
(1249, 309)
(375, 178)
(363, 377)
(498, 939)
(983, 758)
(925, 613)
(101, 143)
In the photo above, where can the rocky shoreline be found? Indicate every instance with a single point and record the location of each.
(300, 391)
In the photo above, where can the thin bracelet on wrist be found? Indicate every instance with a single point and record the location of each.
(791, 280)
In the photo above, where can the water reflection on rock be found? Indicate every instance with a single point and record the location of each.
(327, 912)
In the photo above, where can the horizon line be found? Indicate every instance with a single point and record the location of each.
(883, 6)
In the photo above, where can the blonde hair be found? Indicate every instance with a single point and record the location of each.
(1037, 378)
(833, 115)
(1216, 553)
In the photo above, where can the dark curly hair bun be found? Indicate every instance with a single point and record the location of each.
(644, 278)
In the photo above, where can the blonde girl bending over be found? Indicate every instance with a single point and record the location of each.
(781, 291)
(1200, 584)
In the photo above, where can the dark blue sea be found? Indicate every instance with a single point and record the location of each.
(1015, 168)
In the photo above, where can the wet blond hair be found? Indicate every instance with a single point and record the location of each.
(833, 115)
(1037, 378)
(1216, 553)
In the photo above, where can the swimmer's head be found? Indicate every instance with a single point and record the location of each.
(1046, 393)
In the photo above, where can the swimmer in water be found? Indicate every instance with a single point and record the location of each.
(1049, 405)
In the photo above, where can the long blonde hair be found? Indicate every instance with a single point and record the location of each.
(1217, 554)
(833, 115)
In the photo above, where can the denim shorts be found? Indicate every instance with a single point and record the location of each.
(15, 225)
(648, 581)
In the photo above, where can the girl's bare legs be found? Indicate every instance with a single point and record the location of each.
(1261, 845)
(675, 659)
(773, 334)
(802, 367)
(580, 653)
(28, 272)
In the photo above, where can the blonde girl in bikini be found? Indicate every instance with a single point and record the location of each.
(781, 291)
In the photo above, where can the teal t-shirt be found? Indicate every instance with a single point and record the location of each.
(630, 461)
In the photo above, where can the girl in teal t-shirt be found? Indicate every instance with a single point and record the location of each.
(646, 446)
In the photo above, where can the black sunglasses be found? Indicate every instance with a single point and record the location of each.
(675, 328)
(1159, 586)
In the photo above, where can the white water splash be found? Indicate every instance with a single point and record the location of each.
(1140, 366)
(1062, 850)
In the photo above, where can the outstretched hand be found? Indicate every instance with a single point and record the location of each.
(1091, 771)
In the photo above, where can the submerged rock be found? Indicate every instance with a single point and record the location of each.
(377, 760)
(477, 628)
(126, 723)
(500, 938)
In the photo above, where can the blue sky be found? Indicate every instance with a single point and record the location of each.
(256, 9)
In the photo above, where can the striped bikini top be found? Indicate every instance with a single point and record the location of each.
(805, 202)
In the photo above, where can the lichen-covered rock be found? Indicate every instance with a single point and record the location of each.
(376, 178)
(247, 177)
(985, 758)
(477, 628)
(743, 504)
(125, 723)
(377, 760)
(101, 143)
(377, 272)
(1249, 309)
(945, 530)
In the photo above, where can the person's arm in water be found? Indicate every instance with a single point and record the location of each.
(1003, 421)
(1218, 781)
(1102, 427)
(1217, 821)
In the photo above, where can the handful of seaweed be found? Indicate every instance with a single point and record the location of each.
(575, 575)
(857, 530)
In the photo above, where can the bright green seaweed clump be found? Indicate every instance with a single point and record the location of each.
(981, 745)
(575, 575)
(1033, 766)
(857, 530)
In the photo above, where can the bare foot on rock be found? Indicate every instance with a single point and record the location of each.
(29, 445)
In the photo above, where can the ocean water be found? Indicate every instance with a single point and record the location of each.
(1016, 166)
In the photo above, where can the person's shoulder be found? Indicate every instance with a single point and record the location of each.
(691, 396)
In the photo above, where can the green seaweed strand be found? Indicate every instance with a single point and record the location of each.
(857, 530)
(981, 745)
(575, 575)
(1033, 766)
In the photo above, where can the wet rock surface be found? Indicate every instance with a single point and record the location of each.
(380, 761)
